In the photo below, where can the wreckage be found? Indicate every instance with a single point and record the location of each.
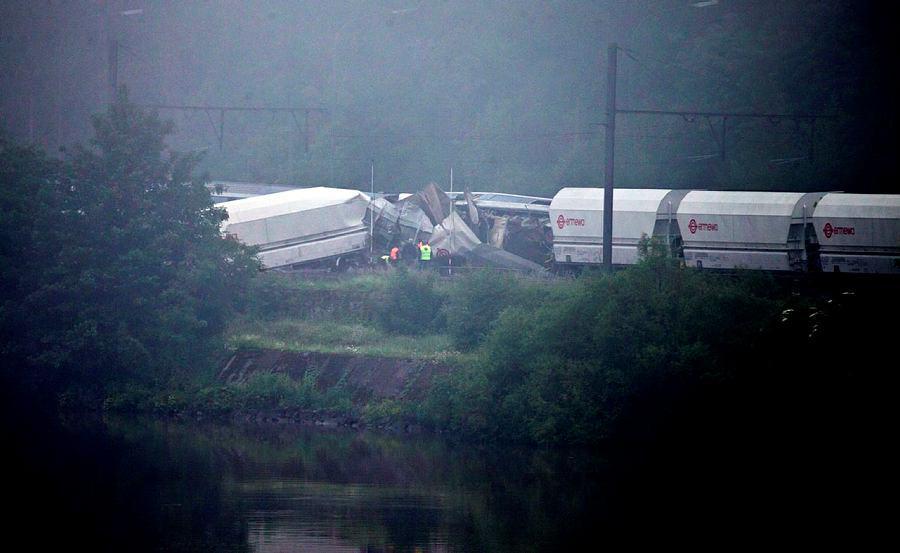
(336, 227)
(473, 229)
(303, 226)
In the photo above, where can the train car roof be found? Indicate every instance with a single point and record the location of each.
(624, 199)
(859, 206)
(762, 204)
(291, 201)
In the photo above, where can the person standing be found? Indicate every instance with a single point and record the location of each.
(395, 255)
(424, 255)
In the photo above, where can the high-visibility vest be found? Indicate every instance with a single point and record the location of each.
(426, 252)
(395, 253)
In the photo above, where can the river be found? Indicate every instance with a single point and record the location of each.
(146, 484)
(160, 485)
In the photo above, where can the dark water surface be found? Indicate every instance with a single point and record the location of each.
(163, 485)
(135, 484)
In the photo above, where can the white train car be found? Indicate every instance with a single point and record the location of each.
(300, 226)
(750, 230)
(858, 233)
(576, 219)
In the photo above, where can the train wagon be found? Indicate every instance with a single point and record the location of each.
(576, 218)
(858, 233)
(300, 226)
(750, 230)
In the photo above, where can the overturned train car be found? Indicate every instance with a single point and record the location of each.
(770, 231)
(302, 227)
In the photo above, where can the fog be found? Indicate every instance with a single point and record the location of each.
(511, 95)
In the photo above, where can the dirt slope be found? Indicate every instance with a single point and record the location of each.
(367, 377)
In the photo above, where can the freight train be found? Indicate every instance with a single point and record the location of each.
(771, 231)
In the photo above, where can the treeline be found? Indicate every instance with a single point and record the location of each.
(112, 267)
(510, 96)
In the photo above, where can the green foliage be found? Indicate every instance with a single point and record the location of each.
(215, 400)
(386, 411)
(475, 301)
(121, 274)
(277, 391)
(267, 391)
(652, 248)
(568, 369)
(473, 304)
(273, 295)
(460, 402)
(327, 335)
(410, 304)
(511, 96)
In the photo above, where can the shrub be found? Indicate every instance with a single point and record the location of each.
(382, 412)
(277, 391)
(409, 304)
(568, 369)
(474, 303)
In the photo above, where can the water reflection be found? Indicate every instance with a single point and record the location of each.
(189, 487)
(150, 485)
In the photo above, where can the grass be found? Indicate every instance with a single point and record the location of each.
(330, 336)
(359, 283)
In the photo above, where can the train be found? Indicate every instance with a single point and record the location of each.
(302, 226)
(808, 232)
(830, 232)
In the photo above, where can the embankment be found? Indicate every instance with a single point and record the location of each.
(366, 378)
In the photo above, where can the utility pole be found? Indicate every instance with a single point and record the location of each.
(113, 61)
(372, 212)
(610, 156)
(450, 257)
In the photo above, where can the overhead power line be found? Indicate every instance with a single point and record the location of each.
(221, 110)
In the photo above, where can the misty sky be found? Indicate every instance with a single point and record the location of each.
(510, 94)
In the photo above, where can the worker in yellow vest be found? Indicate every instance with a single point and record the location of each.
(424, 255)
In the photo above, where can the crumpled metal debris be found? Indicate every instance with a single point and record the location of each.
(434, 202)
(517, 239)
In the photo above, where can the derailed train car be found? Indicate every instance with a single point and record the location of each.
(771, 231)
(301, 227)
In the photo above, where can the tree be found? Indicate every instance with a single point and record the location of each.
(126, 276)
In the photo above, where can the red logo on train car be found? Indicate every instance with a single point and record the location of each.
(694, 226)
(562, 222)
(829, 230)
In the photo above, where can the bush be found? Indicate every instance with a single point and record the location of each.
(410, 304)
(215, 400)
(383, 412)
(568, 369)
(277, 391)
(273, 295)
(474, 303)
(129, 399)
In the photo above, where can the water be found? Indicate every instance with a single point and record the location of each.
(132, 485)
(159, 485)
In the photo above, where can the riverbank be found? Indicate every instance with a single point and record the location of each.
(648, 352)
